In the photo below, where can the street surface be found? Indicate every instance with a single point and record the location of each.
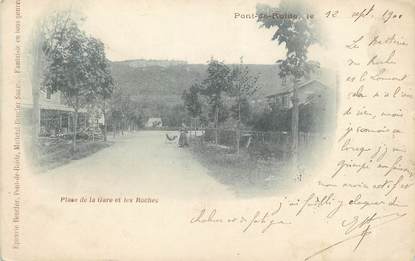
(143, 162)
(140, 164)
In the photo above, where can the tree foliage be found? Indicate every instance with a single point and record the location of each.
(241, 110)
(126, 110)
(192, 102)
(217, 82)
(243, 87)
(297, 34)
(76, 63)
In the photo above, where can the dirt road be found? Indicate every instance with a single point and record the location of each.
(142, 162)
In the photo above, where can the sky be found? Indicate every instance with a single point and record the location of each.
(193, 31)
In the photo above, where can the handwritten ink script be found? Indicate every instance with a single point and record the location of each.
(374, 163)
(372, 179)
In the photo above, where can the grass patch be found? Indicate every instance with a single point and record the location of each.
(56, 153)
(252, 171)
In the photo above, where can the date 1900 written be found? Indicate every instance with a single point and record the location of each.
(368, 12)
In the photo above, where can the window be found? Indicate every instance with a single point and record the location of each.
(285, 101)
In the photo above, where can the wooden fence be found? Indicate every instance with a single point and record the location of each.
(281, 141)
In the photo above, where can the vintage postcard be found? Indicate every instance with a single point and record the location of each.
(207, 130)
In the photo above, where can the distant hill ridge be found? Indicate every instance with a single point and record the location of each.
(167, 79)
(146, 63)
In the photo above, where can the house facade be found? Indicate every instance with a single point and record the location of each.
(55, 116)
(154, 123)
(310, 91)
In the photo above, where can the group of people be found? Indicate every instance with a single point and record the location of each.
(183, 138)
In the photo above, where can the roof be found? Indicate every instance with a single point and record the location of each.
(52, 106)
(154, 119)
(289, 89)
(154, 122)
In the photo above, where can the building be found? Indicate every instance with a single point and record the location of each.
(317, 107)
(154, 123)
(55, 116)
(310, 91)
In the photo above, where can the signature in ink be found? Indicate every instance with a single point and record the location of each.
(366, 225)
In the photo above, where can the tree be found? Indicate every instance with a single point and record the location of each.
(126, 111)
(104, 83)
(121, 109)
(76, 64)
(217, 82)
(136, 116)
(36, 76)
(103, 96)
(37, 68)
(297, 34)
(174, 116)
(243, 87)
(192, 102)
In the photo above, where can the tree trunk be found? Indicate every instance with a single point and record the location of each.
(238, 129)
(105, 123)
(75, 125)
(216, 124)
(93, 132)
(114, 128)
(36, 71)
(122, 127)
(194, 126)
(35, 113)
(60, 121)
(294, 124)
